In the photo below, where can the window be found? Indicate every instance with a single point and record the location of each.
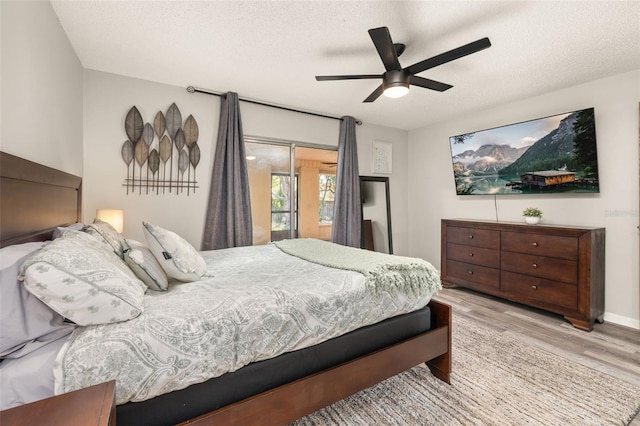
(327, 192)
(281, 205)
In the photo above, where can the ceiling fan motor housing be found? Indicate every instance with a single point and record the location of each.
(396, 83)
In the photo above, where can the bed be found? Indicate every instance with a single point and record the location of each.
(274, 390)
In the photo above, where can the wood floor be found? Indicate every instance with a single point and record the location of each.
(609, 348)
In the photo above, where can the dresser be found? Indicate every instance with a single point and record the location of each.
(556, 268)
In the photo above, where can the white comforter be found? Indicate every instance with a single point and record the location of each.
(255, 304)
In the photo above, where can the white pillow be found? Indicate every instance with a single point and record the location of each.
(177, 257)
(57, 233)
(101, 229)
(80, 278)
(144, 264)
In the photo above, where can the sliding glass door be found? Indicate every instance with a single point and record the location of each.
(272, 196)
(281, 210)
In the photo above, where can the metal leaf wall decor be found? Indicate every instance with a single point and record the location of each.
(127, 156)
(147, 134)
(151, 149)
(173, 119)
(159, 124)
(190, 131)
(133, 125)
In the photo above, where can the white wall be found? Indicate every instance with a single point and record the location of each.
(108, 98)
(398, 184)
(41, 82)
(615, 99)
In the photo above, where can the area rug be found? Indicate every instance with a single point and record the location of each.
(496, 380)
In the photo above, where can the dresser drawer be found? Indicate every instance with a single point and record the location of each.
(473, 275)
(542, 245)
(474, 237)
(476, 255)
(540, 266)
(540, 290)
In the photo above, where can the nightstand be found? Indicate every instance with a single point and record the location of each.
(94, 405)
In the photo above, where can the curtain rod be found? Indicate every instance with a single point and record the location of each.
(192, 89)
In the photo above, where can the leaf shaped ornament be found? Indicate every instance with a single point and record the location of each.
(173, 120)
(154, 161)
(183, 162)
(127, 152)
(190, 129)
(194, 155)
(179, 140)
(165, 148)
(159, 124)
(147, 134)
(133, 125)
(141, 153)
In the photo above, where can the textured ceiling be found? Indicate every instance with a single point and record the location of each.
(271, 51)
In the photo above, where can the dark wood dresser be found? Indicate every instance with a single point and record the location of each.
(556, 268)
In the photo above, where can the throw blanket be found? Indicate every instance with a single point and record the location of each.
(408, 274)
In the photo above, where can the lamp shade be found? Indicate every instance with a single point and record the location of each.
(114, 218)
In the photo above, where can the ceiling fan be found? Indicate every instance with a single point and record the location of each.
(396, 80)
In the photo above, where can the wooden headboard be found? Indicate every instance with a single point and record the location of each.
(34, 199)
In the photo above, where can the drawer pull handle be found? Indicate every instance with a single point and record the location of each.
(535, 287)
(534, 244)
(535, 265)
(470, 272)
(471, 237)
(470, 254)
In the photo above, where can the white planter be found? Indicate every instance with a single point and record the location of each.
(531, 220)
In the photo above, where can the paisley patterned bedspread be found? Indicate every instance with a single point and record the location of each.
(255, 304)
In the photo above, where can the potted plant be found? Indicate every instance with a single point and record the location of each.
(532, 215)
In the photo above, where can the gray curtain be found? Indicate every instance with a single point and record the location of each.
(347, 210)
(228, 220)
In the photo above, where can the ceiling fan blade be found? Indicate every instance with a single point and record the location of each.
(382, 40)
(346, 77)
(375, 94)
(429, 84)
(449, 56)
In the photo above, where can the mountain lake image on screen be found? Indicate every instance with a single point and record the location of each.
(550, 155)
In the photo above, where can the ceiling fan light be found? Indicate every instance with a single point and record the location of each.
(396, 90)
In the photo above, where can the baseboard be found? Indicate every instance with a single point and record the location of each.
(620, 320)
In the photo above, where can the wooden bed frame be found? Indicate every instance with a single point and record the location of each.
(36, 199)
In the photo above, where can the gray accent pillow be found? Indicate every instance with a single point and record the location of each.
(144, 264)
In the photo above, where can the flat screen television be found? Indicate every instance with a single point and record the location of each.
(549, 155)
